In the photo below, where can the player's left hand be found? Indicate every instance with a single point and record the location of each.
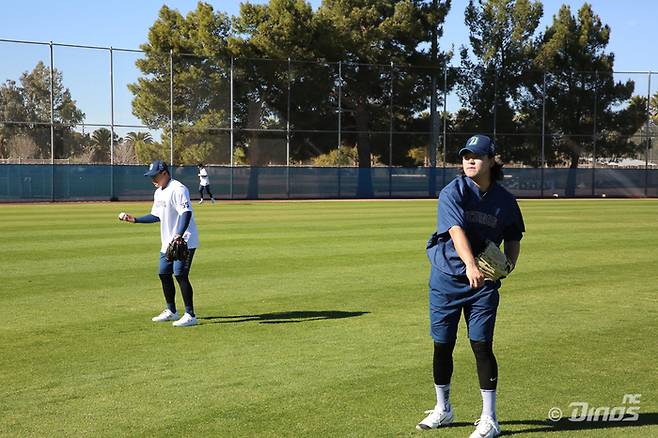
(177, 249)
(493, 263)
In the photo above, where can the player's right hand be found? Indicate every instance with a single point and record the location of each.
(129, 218)
(475, 276)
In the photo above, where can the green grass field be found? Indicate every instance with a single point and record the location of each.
(315, 322)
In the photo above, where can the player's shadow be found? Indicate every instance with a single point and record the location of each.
(282, 317)
(564, 425)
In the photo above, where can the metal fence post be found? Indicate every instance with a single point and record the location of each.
(52, 105)
(434, 121)
(232, 139)
(288, 135)
(445, 121)
(495, 105)
(390, 138)
(434, 128)
(111, 125)
(648, 137)
(543, 135)
(171, 107)
(340, 115)
(52, 122)
(596, 80)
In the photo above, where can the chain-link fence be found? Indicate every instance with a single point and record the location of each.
(76, 121)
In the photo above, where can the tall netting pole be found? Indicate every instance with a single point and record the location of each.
(390, 137)
(434, 117)
(594, 133)
(445, 121)
(543, 135)
(112, 198)
(52, 122)
(288, 134)
(434, 129)
(171, 107)
(495, 106)
(647, 137)
(340, 116)
(232, 136)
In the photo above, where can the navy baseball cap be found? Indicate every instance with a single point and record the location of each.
(156, 167)
(479, 145)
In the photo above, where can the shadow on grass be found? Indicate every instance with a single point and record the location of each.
(565, 425)
(282, 317)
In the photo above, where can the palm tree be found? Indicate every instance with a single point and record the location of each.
(101, 140)
(134, 137)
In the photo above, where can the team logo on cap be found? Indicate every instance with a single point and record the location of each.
(474, 141)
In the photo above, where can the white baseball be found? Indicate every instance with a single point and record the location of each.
(122, 216)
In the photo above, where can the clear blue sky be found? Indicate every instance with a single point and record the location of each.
(125, 24)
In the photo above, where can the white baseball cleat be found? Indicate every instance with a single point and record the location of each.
(201, 201)
(487, 427)
(186, 321)
(435, 419)
(166, 315)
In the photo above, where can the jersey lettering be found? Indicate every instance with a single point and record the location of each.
(479, 217)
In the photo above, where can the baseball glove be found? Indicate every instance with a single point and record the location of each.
(177, 250)
(493, 263)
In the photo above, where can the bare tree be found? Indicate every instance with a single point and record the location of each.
(22, 146)
(124, 153)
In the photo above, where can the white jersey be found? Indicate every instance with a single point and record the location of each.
(168, 204)
(203, 177)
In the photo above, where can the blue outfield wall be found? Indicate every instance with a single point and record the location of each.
(66, 182)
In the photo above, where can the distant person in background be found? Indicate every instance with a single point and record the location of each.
(204, 183)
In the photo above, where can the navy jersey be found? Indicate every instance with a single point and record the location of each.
(494, 216)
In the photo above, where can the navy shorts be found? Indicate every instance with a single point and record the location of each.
(450, 296)
(177, 267)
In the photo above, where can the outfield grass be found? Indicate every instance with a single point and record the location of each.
(315, 322)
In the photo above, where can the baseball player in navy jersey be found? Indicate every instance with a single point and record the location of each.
(473, 209)
(173, 209)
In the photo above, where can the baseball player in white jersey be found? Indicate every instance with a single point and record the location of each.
(204, 183)
(172, 208)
